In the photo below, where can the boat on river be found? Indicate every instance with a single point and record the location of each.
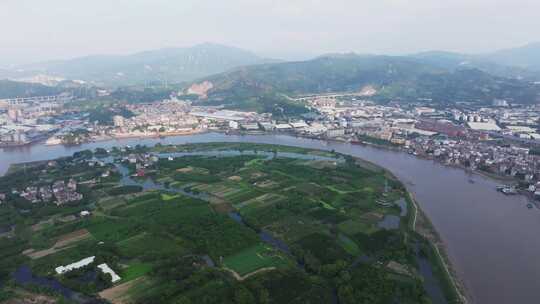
(508, 190)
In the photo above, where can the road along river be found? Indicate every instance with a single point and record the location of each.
(492, 239)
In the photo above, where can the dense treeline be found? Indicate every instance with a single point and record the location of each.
(104, 115)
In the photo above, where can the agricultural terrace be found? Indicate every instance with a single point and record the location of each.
(258, 224)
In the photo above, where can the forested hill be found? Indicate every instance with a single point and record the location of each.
(405, 78)
(12, 89)
(169, 65)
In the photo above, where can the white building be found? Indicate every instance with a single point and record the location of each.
(233, 124)
(267, 126)
(250, 127)
(335, 133)
(106, 269)
(283, 127)
(76, 265)
(484, 126)
(118, 121)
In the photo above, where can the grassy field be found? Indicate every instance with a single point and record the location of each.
(253, 259)
(349, 245)
(135, 271)
(168, 197)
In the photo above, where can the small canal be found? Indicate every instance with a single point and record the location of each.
(388, 222)
(491, 239)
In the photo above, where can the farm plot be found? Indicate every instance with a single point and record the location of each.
(267, 184)
(254, 258)
(113, 230)
(221, 190)
(244, 195)
(62, 243)
(120, 294)
(191, 169)
(261, 201)
(144, 243)
(294, 227)
(134, 271)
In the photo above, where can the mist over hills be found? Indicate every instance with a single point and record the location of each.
(163, 65)
(176, 65)
(244, 80)
(527, 57)
(522, 62)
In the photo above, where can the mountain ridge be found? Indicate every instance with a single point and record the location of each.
(394, 77)
(171, 65)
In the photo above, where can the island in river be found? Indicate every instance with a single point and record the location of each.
(213, 223)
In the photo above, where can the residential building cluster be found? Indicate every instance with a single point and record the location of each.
(59, 193)
(461, 134)
(26, 120)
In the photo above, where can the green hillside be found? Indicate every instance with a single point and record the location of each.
(11, 89)
(403, 78)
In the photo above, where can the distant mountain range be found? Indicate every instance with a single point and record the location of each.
(521, 63)
(171, 65)
(526, 57)
(435, 76)
(244, 80)
(175, 65)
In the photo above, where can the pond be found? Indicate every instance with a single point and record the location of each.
(24, 276)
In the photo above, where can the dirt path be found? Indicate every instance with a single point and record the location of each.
(118, 294)
(241, 278)
(61, 244)
(424, 227)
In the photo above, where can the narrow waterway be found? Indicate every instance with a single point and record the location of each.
(492, 239)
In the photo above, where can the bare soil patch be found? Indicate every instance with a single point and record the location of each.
(223, 208)
(118, 294)
(62, 243)
(235, 178)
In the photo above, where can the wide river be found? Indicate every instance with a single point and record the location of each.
(492, 239)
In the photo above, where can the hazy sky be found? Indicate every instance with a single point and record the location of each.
(35, 30)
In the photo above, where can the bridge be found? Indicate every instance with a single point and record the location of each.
(22, 100)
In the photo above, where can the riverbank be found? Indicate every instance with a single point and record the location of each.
(451, 281)
(440, 264)
(389, 146)
(308, 172)
(474, 220)
(121, 136)
(419, 223)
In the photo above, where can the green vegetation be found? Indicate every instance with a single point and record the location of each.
(396, 78)
(76, 136)
(168, 197)
(125, 190)
(254, 258)
(104, 115)
(243, 228)
(134, 271)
